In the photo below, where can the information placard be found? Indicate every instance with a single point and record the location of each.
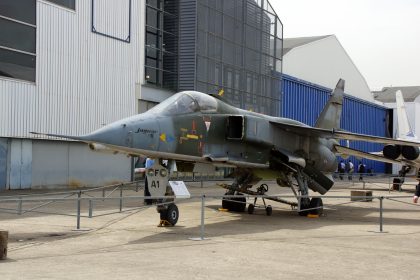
(180, 189)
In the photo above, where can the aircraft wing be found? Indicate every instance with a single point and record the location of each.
(340, 134)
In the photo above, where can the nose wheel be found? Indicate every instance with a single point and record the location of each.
(169, 215)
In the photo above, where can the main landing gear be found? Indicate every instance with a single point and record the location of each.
(313, 206)
(293, 177)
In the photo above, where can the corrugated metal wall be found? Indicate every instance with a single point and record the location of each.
(304, 102)
(83, 80)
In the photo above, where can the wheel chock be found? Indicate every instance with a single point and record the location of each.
(312, 216)
(223, 210)
(164, 223)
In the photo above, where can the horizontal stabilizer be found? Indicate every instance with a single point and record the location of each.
(378, 157)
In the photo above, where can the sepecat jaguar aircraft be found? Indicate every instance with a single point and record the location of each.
(197, 131)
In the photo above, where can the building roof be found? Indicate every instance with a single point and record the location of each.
(290, 43)
(387, 94)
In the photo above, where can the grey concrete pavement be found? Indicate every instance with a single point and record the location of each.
(343, 244)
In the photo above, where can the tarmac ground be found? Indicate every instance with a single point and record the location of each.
(344, 243)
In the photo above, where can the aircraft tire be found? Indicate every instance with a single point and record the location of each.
(171, 214)
(235, 204)
(251, 209)
(316, 202)
(269, 210)
(304, 204)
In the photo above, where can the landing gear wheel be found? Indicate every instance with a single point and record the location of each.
(269, 210)
(171, 214)
(316, 202)
(235, 204)
(251, 209)
(304, 204)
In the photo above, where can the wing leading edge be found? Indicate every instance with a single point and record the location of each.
(340, 134)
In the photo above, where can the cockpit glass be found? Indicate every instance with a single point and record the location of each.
(206, 102)
(184, 103)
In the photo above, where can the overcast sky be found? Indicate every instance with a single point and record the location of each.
(382, 37)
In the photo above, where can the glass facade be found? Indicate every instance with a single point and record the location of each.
(229, 45)
(161, 52)
(238, 43)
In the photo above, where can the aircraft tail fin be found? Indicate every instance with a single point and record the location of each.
(404, 128)
(331, 114)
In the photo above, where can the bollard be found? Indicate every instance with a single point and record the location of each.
(79, 195)
(90, 208)
(4, 236)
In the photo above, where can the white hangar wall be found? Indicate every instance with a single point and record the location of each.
(324, 62)
(84, 80)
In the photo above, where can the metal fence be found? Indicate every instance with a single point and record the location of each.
(115, 193)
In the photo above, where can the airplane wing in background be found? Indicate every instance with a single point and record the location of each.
(340, 134)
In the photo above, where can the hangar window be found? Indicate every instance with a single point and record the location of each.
(116, 12)
(18, 39)
(65, 3)
(161, 44)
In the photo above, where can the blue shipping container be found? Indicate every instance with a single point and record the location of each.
(304, 101)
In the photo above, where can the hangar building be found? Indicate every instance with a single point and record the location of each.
(322, 60)
(72, 66)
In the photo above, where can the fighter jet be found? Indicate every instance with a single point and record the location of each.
(197, 131)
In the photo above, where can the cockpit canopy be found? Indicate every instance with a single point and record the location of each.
(185, 102)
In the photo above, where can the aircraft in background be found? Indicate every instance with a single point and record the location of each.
(404, 132)
(199, 132)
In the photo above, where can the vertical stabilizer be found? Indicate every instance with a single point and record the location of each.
(331, 114)
(404, 128)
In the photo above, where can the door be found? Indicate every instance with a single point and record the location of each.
(3, 163)
(20, 164)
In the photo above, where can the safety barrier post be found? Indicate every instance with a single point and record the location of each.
(389, 183)
(79, 195)
(103, 193)
(121, 200)
(202, 216)
(19, 206)
(90, 208)
(380, 214)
